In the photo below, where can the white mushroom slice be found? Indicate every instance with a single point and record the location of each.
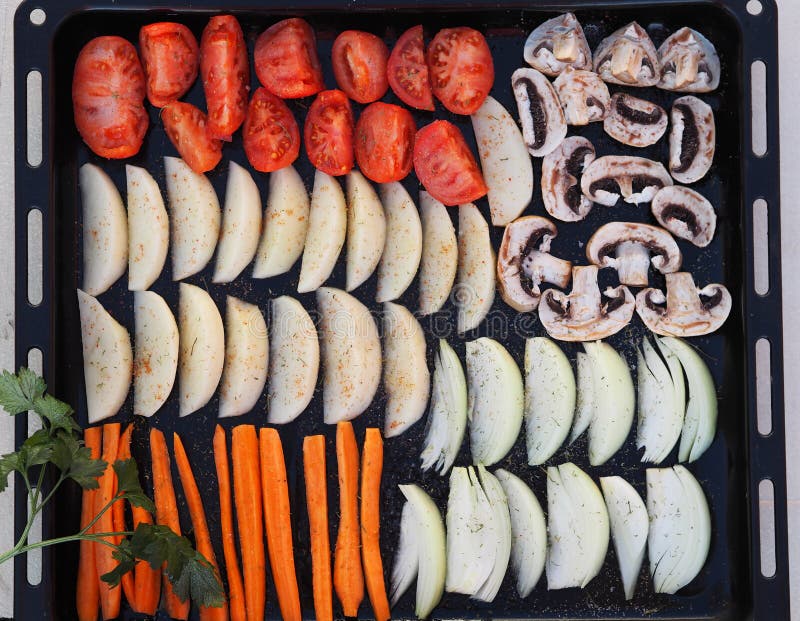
(437, 268)
(406, 378)
(685, 310)
(628, 57)
(635, 122)
(583, 315)
(628, 247)
(285, 224)
(105, 230)
(561, 173)
(689, 63)
(524, 262)
(403, 249)
(637, 179)
(107, 359)
(686, 214)
(148, 229)
(202, 348)
(194, 218)
(156, 353)
(692, 140)
(505, 163)
(583, 96)
(293, 360)
(246, 358)
(351, 355)
(366, 229)
(475, 288)
(327, 226)
(558, 44)
(540, 113)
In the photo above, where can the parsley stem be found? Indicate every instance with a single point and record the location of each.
(96, 537)
(86, 528)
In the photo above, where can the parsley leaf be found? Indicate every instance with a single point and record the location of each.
(12, 462)
(75, 461)
(127, 561)
(17, 392)
(128, 484)
(55, 412)
(37, 448)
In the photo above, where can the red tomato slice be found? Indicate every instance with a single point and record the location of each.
(445, 165)
(407, 71)
(461, 69)
(186, 126)
(384, 142)
(226, 75)
(108, 97)
(359, 65)
(286, 58)
(171, 58)
(271, 135)
(328, 133)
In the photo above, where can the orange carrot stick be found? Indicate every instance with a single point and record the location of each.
(238, 612)
(146, 579)
(110, 597)
(247, 494)
(123, 453)
(317, 502)
(87, 593)
(348, 578)
(371, 470)
(275, 492)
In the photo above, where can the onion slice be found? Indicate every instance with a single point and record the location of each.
(403, 249)
(406, 559)
(502, 529)
(584, 402)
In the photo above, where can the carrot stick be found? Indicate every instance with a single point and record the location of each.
(317, 503)
(348, 578)
(236, 589)
(275, 492)
(146, 579)
(166, 514)
(198, 516)
(123, 453)
(371, 470)
(87, 593)
(110, 597)
(247, 494)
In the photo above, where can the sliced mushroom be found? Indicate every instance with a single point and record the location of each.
(635, 122)
(583, 95)
(628, 57)
(685, 214)
(689, 63)
(524, 262)
(561, 172)
(628, 248)
(637, 179)
(557, 44)
(584, 315)
(692, 139)
(543, 122)
(685, 310)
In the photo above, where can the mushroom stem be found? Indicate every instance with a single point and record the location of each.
(544, 267)
(686, 69)
(626, 61)
(632, 263)
(565, 47)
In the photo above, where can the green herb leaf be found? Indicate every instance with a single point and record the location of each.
(37, 448)
(128, 484)
(12, 462)
(31, 384)
(55, 412)
(75, 461)
(16, 391)
(127, 561)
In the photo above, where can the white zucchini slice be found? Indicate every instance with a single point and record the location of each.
(403, 249)
(156, 352)
(366, 229)
(439, 262)
(148, 229)
(476, 269)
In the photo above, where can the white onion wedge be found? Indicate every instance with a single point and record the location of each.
(148, 229)
(439, 262)
(584, 399)
(366, 229)
(156, 352)
(105, 230)
(406, 558)
(403, 249)
(476, 269)
(107, 359)
(502, 528)
(700, 528)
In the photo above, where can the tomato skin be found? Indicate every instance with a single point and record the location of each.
(270, 132)
(445, 165)
(407, 70)
(226, 75)
(171, 59)
(384, 142)
(359, 65)
(108, 97)
(328, 133)
(286, 59)
(186, 127)
(461, 69)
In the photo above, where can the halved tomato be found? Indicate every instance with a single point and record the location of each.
(461, 69)
(271, 135)
(328, 133)
(359, 65)
(407, 71)
(186, 126)
(445, 165)
(171, 58)
(286, 58)
(108, 97)
(385, 142)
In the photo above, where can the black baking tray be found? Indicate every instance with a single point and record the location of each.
(730, 586)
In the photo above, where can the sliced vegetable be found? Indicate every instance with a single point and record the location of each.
(328, 133)
(359, 65)
(286, 59)
(147, 580)
(348, 577)
(502, 528)
(407, 70)
(118, 517)
(461, 69)
(384, 141)
(403, 248)
(187, 129)
(87, 590)
(584, 401)
(156, 354)
(110, 597)
(148, 229)
(439, 261)
(371, 470)
(316, 477)
(270, 133)
(406, 558)
(366, 229)
(475, 288)
(171, 59)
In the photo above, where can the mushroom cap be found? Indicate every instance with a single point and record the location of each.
(689, 63)
(635, 122)
(557, 44)
(692, 140)
(628, 57)
(686, 214)
(583, 96)
(561, 172)
(540, 113)
(637, 179)
(683, 312)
